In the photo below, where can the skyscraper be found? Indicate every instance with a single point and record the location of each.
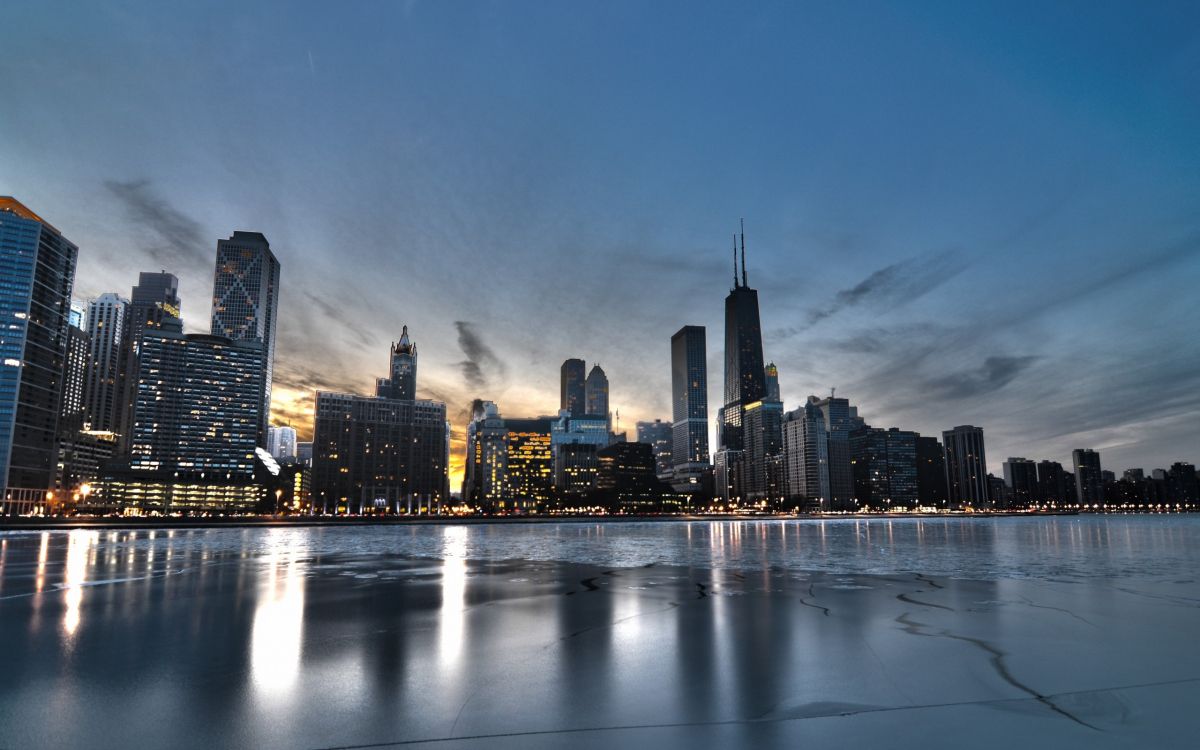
(840, 421)
(884, 467)
(38, 268)
(596, 392)
(195, 425)
(246, 302)
(772, 382)
(71, 413)
(806, 458)
(657, 435)
(1089, 487)
(745, 377)
(106, 320)
(689, 411)
(402, 382)
(572, 393)
(966, 466)
(153, 300)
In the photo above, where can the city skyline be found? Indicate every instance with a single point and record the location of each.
(931, 281)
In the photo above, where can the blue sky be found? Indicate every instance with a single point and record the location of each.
(956, 212)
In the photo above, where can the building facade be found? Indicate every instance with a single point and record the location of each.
(246, 303)
(154, 300)
(1089, 484)
(401, 382)
(595, 389)
(1020, 474)
(38, 267)
(692, 472)
(572, 395)
(966, 466)
(931, 473)
(104, 387)
(806, 458)
(380, 454)
(658, 435)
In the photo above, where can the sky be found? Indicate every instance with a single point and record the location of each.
(956, 213)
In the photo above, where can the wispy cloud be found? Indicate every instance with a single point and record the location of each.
(170, 236)
(480, 359)
(995, 373)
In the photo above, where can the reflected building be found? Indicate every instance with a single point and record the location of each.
(966, 466)
(35, 304)
(246, 303)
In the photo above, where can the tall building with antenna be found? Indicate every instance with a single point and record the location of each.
(745, 377)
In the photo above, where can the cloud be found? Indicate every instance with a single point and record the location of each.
(992, 375)
(479, 355)
(172, 237)
(347, 323)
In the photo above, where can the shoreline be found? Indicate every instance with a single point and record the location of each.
(57, 524)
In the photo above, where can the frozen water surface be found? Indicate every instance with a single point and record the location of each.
(1041, 632)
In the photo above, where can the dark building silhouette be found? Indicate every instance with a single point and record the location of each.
(884, 465)
(745, 376)
(381, 454)
(657, 435)
(692, 472)
(1089, 484)
(626, 480)
(402, 369)
(35, 299)
(966, 466)
(761, 472)
(1020, 474)
(1052, 484)
(931, 473)
(572, 393)
(595, 389)
(1182, 485)
(246, 303)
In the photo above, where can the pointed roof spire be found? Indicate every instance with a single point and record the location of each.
(735, 277)
(743, 227)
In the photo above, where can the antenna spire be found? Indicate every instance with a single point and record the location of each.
(743, 226)
(735, 278)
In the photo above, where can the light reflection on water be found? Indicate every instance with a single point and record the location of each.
(278, 631)
(454, 589)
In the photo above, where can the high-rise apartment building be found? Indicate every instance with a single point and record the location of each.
(1020, 474)
(966, 466)
(840, 420)
(106, 320)
(572, 393)
(884, 465)
(761, 472)
(692, 472)
(806, 458)
(37, 265)
(71, 413)
(153, 300)
(1052, 484)
(931, 473)
(1089, 484)
(246, 302)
